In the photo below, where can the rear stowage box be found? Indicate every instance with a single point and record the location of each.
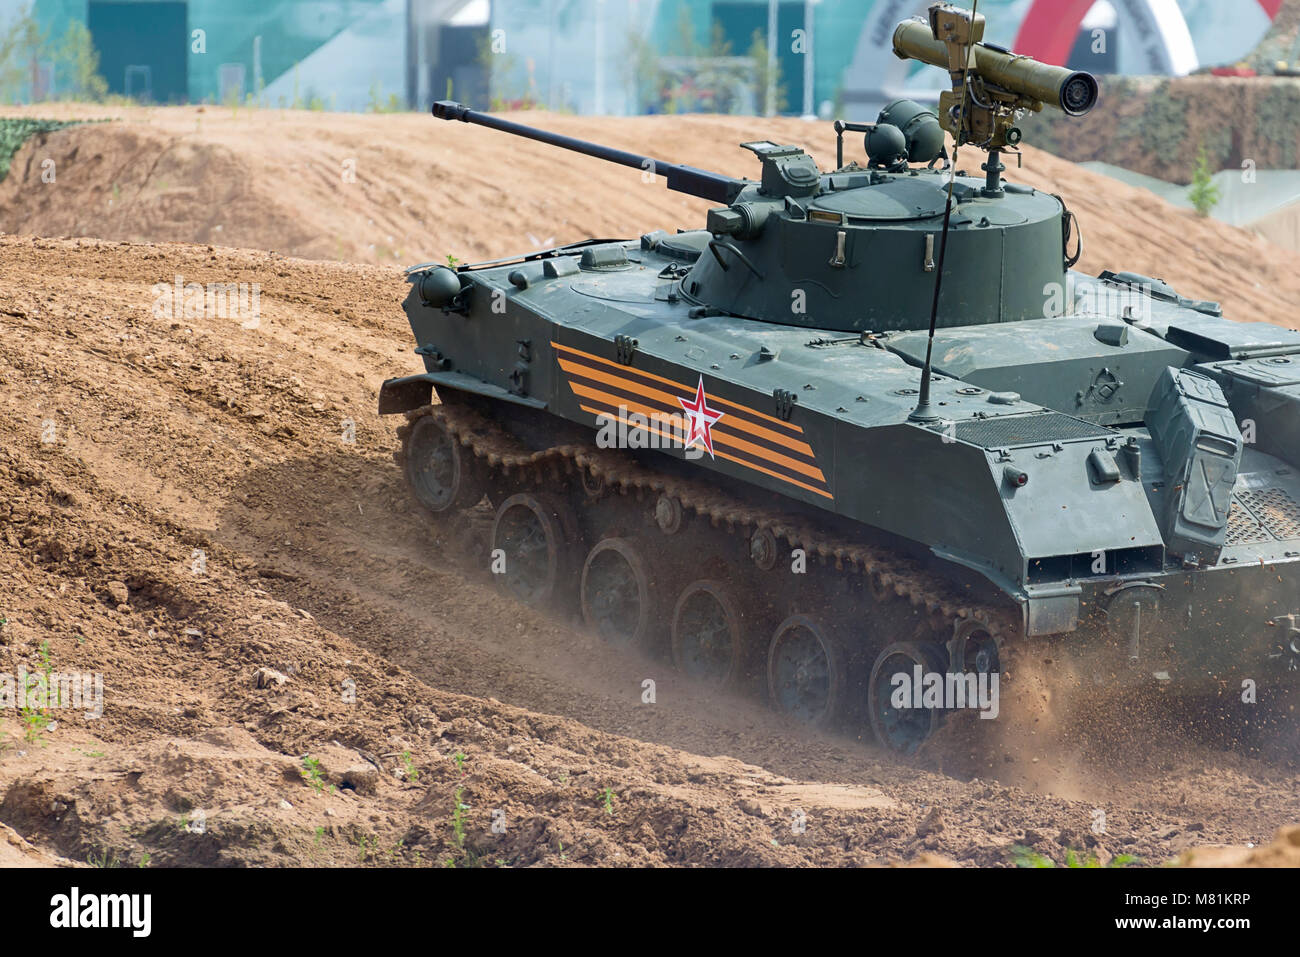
(1265, 395)
(1200, 444)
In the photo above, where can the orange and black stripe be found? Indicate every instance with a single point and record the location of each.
(744, 436)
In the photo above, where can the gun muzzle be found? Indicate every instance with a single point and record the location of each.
(1074, 92)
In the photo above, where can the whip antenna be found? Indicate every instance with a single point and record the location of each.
(924, 412)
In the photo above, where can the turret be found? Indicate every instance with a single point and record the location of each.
(860, 248)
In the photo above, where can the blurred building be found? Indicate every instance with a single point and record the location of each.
(600, 56)
(331, 54)
(582, 55)
(853, 71)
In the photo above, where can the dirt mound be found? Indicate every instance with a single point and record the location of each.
(298, 670)
(1282, 851)
(131, 182)
(16, 852)
(405, 188)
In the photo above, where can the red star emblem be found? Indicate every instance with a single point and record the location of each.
(702, 418)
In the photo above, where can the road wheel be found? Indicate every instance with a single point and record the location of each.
(806, 671)
(444, 476)
(708, 633)
(535, 544)
(620, 593)
(904, 729)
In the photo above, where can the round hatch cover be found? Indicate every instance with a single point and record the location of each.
(686, 246)
(613, 289)
(912, 197)
(992, 212)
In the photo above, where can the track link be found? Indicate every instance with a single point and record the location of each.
(888, 574)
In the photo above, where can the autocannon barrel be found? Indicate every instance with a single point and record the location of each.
(683, 179)
(1072, 91)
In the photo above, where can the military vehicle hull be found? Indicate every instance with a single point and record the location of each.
(579, 373)
(866, 439)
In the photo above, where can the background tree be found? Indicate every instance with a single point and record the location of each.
(1204, 194)
(758, 52)
(24, 46)
(20, 44)
(76, 65)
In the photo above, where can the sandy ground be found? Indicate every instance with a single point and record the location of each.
(173, 441)
(298, 668)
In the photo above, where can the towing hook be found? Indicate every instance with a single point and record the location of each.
(1286, 647)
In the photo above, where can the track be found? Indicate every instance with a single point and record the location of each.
(861, 590)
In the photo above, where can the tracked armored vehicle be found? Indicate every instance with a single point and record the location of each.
(869, 424)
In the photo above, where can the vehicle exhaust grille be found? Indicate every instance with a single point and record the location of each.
(1039, 428)
(1243, 528)
(1263, 515)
